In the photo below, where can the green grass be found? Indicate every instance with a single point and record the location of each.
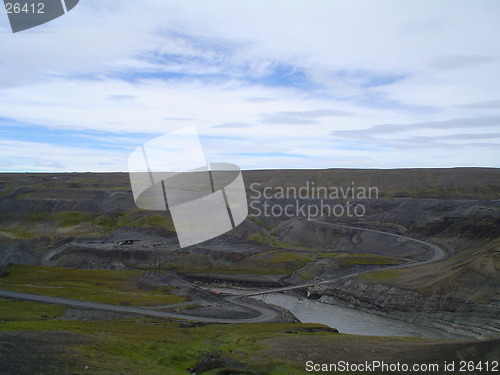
(35, 217)
(156, 221)
(381, 276)
(290, 256)
(17, 232)
(104, 222)
(138, 220)
(68, 219)
(260, 222)
(346, 259)
(342, 260)
(269, 240)
(135, 219)
(154, 347)
(123, 220)
(14, 310)
(106, 286)
(158, 347)
(6, 191)
(274, 262)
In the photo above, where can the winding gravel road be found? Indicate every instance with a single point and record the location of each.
(438, 254)
(264, 314)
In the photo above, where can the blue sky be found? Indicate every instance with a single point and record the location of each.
(268, 84)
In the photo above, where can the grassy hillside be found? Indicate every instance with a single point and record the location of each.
(148, 346)
(115, 287)
(77, 204)
(470, 276)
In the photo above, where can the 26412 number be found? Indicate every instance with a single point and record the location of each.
(17, 8)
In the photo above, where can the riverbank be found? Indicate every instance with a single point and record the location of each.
(346, 320)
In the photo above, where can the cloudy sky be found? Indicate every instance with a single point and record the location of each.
(268, 83)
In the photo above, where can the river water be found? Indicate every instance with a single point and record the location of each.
(346, 320)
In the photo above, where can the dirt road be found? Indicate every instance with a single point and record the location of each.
(264, 314)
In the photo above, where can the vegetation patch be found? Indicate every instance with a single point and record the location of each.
(15, 231)
(347, 259)
(105, 286)
(104, 222)
(269, 240)
(156, 221)
(68, 219)
(259, 222)
(6, 191)
(272, 262)
(37, 217)
(158, 347)
(381, 276)
(13, 310)
(79, 223)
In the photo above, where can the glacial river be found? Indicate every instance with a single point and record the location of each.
(346, 320)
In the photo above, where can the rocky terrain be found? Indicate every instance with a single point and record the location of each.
(90, 221)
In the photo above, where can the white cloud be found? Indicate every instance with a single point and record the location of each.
(40, 157)
(268, 78)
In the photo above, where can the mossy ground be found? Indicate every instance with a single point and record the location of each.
(381, 276)
(349, 259)
(79, 223)
(17, 310)
(110, 222)
(272, 262)
(149, 346)
(157, 347)
(106, 286)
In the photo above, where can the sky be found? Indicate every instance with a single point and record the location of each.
(267, 83)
